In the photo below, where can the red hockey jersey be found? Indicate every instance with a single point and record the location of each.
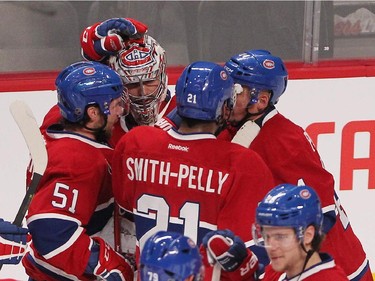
(325, 270)
(76, 182)
(105, 205)
(189, 183)
(292, 158)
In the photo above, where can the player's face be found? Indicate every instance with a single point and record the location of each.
(115, 111)
(284, 250)
(145, 88)
(144, 100)
(242, 107)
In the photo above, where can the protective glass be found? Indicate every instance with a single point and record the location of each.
(263, 237)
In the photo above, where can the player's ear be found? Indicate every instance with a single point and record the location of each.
(93, 112)
(309, 235)
(264, 98)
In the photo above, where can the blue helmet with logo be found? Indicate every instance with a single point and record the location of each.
(86, 83)
(289, 205)
(170, 256)
(202, 89)
(259, 70)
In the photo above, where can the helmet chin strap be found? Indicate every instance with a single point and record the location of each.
(99, 133)
(258, 121)
(221, 122)
(308, 256)
(260, 112)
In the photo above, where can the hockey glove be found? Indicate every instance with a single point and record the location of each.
(110, 36)
(13, 242)
(107, 264)
(230, 252)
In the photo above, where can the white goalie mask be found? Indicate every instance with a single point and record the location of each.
(137, 66)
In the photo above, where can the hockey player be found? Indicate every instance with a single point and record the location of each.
(13, 242)
(261, 79)
(288, 224)
(140, 60)
(123, 44)
(170, 256)
(186, 180)
(78, 175)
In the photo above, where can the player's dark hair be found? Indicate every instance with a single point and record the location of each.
(191, 122)
(316, 242)
(318, 239)
(75, 125)
(100, 134)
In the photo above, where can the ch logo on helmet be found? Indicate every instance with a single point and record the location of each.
(269, 64)
(223, 75)
(136, 57)
(89, 71)
(305, 194)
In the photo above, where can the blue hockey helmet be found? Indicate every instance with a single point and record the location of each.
(259, 70)
(86, 83)
(170, 256)
(289, 205)
(202, 89)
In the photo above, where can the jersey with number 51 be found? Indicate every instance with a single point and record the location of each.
(77, 178)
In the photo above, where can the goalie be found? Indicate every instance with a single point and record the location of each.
(124, 45)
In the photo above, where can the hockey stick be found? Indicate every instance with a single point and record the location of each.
(28, 126)
(117, 228)
(216, 272)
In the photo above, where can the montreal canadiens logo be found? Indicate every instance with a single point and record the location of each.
(305, 194)
(136, 57)
(223, 75)
(269, 64)
(89, 71)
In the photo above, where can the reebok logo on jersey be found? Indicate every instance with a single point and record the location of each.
(178, 147)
